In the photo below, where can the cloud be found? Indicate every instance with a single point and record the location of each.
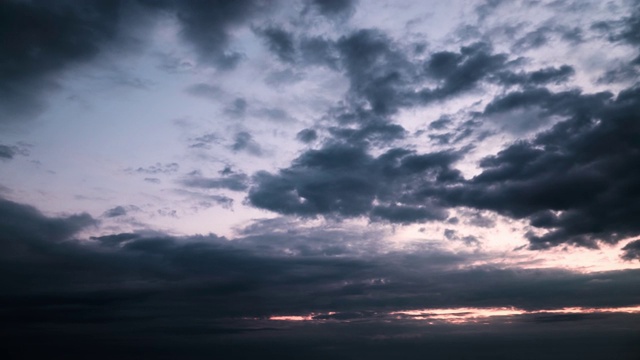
(205, 141)
(574, 181)
(307, 135)
(539, 77)
(376, 69)
(115, 212)
(24, 227)
(39, 40)
(332, 8)
(280, 42)
(207, 25)
(566, 181)
(7, 152)
(458, 72)
(158, 168)
(206, 91)
(157, 286)
(631, 251)
(344, 180)
(230, 181)
(277, 261)
(243, 141)
(532, 40)
(202, 200)
(440, 124)
(319, 51)
(152, 180)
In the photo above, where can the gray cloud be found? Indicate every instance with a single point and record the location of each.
(631, 251)
(230, 181)
(462, 71)
(40, 39)
(570, 180)
(7, 152)
(243, 141)
(115, 212)
(158, 168)
(538, 77)
(280, 42)
(307, 135)
(566, 181)
(344, 180)
(206, 25)
(331, 8)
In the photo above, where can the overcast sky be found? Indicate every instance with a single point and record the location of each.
(335, 178)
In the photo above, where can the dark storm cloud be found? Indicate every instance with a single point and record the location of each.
(377, 70)
(440, 124)
(631, 251)
(277, 263)
(402, 214)
(579, 180)
(562, 103)
(538, 77)
(462, 71)
(158, 288)
(206, 25)
(383, 79)
(307, 135)
(332, 8)
(375, 132)
(7, 152)
(461, 132)
(41, 39)
(280, 42)
(345, 180)
(573, 182)
(319, 51)
(38, 40)
(451, 234)
(24, 227)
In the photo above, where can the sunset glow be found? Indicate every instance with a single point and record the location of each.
(466, 314)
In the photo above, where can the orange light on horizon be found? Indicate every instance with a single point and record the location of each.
(469, 314)
(292, 318)
(466, 315)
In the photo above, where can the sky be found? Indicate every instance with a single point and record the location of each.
(320, 178)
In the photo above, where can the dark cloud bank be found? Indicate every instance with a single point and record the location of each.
(157, 296)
